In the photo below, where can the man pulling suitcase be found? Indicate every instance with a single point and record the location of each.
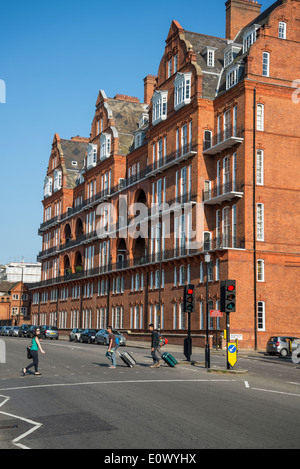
(154, 346)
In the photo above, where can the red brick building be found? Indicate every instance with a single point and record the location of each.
(219, 131)
(15, 303)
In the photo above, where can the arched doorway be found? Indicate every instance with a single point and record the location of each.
(67, 266)
(79, 228)
(68, 233)
(78, 262)
(121, 254)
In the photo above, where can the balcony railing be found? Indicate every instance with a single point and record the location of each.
(180, 154)
(223, 192)
(221, 242)
(223, 140)
(183, 152)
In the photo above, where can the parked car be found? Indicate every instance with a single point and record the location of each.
(5, 330)
(102, 337)
(23, 329)
(49, 332)
(30, 331)
(281, 345)
(88, 336)
(14, 331)
(75, 335)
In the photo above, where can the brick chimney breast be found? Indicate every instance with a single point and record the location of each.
(239, 13)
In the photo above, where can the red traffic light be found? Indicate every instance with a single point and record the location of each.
(231, 288)
(190, 291)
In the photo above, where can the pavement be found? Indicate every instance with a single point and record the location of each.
(198, 354)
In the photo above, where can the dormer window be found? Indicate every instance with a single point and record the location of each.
(138, 139)
(143, 119)
(105, 146)
(57, 180)
(182, 91)
(47, 187)
(209, 53)
(159, 112)
(232, 77)
(91, 155)
(249, 37)
(230, 53)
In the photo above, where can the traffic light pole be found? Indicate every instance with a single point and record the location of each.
(227, 338)
(188, 341)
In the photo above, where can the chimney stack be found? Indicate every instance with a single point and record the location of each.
(239, 13)
(149, 87)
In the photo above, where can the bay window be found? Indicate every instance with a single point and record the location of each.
(182, 91)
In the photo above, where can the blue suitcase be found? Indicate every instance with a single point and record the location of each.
(169, 359)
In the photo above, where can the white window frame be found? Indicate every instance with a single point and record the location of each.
(57, 180)
(260, 223)
(232, 77)
(48, 186)
(261, 316)
(160, 106)
(249, 37)
(182, 90)
(91, 155)
(260, 270)
(105, 146)
(260, 117)
(282, 30)
(266, 64)
(260, 167)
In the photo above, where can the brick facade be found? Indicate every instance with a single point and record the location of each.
(219, 129)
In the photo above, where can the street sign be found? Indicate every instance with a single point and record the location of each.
(232, 353)
(215, 313)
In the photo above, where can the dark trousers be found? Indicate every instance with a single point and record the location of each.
(35, 363)
(154, 356)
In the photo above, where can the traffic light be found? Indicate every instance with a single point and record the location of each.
(189, 298)
(228, 296)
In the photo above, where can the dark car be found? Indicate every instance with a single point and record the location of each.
(88, 335)
(23, 329)
(30, 331)
(102, 337)
(50, 332)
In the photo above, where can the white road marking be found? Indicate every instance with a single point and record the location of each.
(276, 392)
(17, 440)
(142, 381)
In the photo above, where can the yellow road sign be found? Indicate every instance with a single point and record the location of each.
(232, 353)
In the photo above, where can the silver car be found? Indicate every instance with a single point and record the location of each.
(14, 331)
(75, 335)
(5, 330)
(102, 337)
(283, 345)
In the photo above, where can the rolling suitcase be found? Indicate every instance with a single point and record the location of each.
(169, 359)
(127, 359)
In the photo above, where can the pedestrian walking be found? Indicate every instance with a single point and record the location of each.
(154, 346)
(111, 350)
(35, 346)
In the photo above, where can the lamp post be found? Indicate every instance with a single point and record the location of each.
(207, 349)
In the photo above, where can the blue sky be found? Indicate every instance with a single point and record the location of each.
(54, 58)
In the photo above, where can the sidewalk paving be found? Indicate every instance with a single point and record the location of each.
(198, 354)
